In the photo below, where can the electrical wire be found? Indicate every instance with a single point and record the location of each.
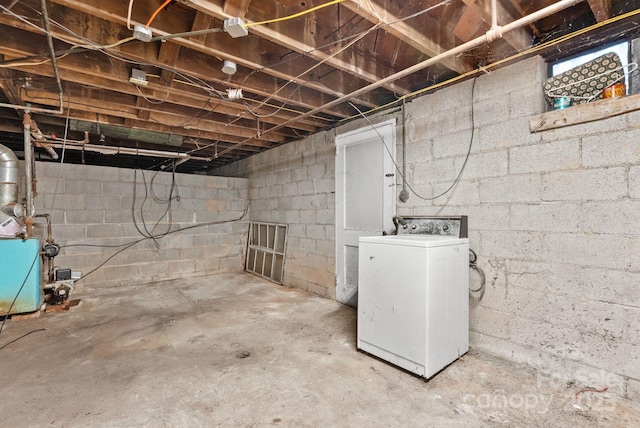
(395, 164)
(333, 55)
(129, 10)
(132, 243)
(64, 146)
(295, 15)
(158, 10)
(486, 68)
(20, 337)
(473, 258)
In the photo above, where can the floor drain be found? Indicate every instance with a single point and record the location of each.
(243, 354)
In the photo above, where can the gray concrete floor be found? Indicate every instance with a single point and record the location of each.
(235, 350)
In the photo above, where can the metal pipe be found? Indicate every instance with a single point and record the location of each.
(404, 193)
(491, 35)
(28, 164)
(52, 51)
(8, 180)
(109, 150)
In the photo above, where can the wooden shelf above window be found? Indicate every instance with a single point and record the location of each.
(583, 113)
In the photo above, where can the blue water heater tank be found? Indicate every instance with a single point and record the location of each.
(20, 276)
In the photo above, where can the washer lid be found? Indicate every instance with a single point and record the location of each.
(414, 240)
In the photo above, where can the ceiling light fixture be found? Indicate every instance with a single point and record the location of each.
(229, 67)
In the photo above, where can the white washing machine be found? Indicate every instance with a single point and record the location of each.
(413, 296)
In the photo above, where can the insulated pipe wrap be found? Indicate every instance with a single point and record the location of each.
(8, 178)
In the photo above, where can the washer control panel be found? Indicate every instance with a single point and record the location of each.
(439, 226)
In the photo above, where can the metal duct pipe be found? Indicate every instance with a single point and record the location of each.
(8, 180)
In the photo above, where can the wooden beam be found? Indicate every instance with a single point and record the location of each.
(110, 104)
(202, 22)
(19, 43)
(237, 8)
(8, 87)
(245, 52)
(364, 68)
(584, 113)
(601, 9)
(520, 39)
(406, 33)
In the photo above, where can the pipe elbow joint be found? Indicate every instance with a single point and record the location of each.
(494, 33)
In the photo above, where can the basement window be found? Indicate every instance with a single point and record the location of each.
(621, 49)
(266, 249)
(583, 78)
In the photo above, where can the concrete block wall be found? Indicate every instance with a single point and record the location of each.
(552, 216)
(294, 184)
(96, 206)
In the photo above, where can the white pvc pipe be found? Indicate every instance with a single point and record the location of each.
(491, 35)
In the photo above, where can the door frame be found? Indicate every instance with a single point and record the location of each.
(386, 129)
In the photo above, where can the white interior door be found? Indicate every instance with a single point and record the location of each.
(365, 198)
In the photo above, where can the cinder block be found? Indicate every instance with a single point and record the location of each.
(605, 126)
(527, 101)
(181, 266)
(614, 148)
(578, 185)
(513, 245)
(121, 272)
(63, 201)
(611, 286)
(620, 217)
(103, 230)
(547, 277)
(549, 217)
(308, 217)
(84, 217)
(555, 156)
(512, 188)
(63, 232)
(315, 231)
(436, 171)
(50, 185)
(489, 321)
(608, 251)
(503, 81)
(264, 193)
(489, 111)
(115, 188)
(503, 135)
(488, 217)
(153, 271)
(482, 165)
(634, 248)
(306, 187)
(216, 205)
(217, 182)
(464, 193)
